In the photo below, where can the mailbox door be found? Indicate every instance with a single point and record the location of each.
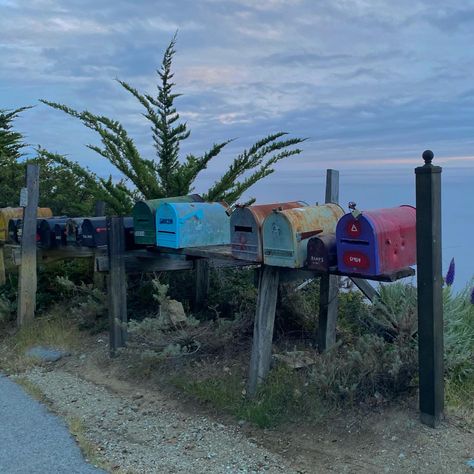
(47, 236)
(167, 226)
(357, 247)
(279, 241)
(322, 252)
(245, 235)
(144, 216)
(60, 233)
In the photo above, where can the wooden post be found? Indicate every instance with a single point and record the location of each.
(3, 276)
(263, 327)
(202, 283)
(329, 284)
(99, 209)
(117, 285)
(98, 277)
(430, 292)
(27, 280)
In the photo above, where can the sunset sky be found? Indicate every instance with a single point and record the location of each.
(370, 82)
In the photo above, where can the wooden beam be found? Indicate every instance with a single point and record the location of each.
(329, 284)
(27, 281)
(369, 291)
(117, 285)
(430, 291)
(263, 328)
(202, 283)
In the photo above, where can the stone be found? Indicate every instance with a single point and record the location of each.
(46, 354)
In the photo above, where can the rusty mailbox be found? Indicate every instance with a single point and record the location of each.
(377, 242)
(322, 252)
(286, 233)
(246, 228)
(197, 224)
(144, 217)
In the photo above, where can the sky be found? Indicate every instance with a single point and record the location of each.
(370, 83)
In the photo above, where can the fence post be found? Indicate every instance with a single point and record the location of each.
(27, 281)
(98, 277)
(202, 283)
(3, 276)
(430, 291)
(263, 327)
(328, 284)
(117, 285)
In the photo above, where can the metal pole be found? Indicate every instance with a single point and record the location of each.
(430, 291)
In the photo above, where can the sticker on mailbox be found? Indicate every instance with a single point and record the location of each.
(353, 228)
(166, 220)
(356, 259)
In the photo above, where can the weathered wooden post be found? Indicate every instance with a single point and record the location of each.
(430, 292)
(98, 277)
(27, 280)
(117, 285)
(201, 266)
(263, 327)
(3, 276)
(329, 284)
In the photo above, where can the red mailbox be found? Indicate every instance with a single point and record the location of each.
(377, 242)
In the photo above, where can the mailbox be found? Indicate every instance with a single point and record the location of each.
(144, 217)
(286, 233)
(73, 231)
(322, 252)
(13, 226)
(94, 232)
(180, 225)
(46, 231)
(8, 213)
(59, 230)
(246, 229)
(377, 242)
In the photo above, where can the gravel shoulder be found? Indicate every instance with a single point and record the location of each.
(144, 433)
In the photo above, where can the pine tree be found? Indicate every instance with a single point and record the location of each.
(165, 174)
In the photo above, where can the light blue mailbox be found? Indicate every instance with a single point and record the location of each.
(193, 224)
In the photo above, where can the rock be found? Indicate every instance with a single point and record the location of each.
(174, 311)
(46, 354)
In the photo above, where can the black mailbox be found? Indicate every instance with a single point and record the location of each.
(322, 252)
(47, 232)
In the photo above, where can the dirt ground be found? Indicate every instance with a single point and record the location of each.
(140, 428)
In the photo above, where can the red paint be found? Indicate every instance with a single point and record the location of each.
(355, 259)
(353, 228)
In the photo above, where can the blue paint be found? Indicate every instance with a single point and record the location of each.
(180, 225)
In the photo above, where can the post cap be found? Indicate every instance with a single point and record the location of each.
(428, 156)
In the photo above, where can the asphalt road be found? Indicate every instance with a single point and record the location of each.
(32, 440)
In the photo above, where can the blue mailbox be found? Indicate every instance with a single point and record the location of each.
(194, 224)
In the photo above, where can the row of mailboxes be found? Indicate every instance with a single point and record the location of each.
(144, 217)
(8, 214)
(322, 238)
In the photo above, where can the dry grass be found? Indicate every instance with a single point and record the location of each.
(52, 331)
